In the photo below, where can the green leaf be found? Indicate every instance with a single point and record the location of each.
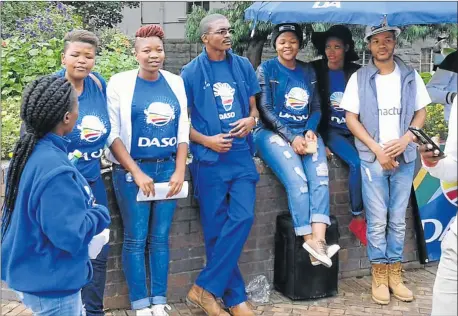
(33, 52)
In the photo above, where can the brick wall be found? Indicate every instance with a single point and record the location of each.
(180, 52)
(187, 255)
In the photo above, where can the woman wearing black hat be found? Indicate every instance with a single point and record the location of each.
(288, 142)
(333, 71)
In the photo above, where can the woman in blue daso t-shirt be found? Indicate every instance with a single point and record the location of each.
(49, 214)
(333, 71)
(287, 141)
(149, 144)
(88, 139)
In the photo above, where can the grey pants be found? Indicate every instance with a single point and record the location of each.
(445, 287)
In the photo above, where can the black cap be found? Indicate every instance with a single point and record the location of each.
(287, 27)
(339, 31)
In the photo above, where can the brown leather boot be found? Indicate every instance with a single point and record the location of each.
(380, 292)
(198, 297)
(243, 309)
(396, 284)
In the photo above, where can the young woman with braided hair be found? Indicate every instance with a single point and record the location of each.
(88, 137)
(148, 142)
(49, 213)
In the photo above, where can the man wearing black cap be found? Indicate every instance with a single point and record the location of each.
(382, 100)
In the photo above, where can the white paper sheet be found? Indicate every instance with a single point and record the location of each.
(161, 190)
(97, 242)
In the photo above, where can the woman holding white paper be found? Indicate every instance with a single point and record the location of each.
(148, 143)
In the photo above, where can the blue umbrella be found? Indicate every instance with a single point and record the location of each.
(366, 13)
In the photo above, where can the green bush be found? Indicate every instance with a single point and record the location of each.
(49, 20)
(435, 124)
(116, 53)
(11, 123)
(23, 60)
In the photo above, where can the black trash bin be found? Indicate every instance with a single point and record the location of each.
(294, 275)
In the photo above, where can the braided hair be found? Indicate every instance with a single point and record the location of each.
(44, 104)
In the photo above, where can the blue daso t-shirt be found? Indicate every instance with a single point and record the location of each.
(91, 129)
(155, 115)
(295, 109)
(227, 100)
(336, 91)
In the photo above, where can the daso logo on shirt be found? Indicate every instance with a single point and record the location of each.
(91, 128)
(336, 98)
(158, 114)
(226, 93)
(297, 98)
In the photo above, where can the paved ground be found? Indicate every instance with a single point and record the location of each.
(353, 299)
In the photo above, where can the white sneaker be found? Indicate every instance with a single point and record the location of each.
(159, 310)
(330, 252)
(143, 312)
(318, 250)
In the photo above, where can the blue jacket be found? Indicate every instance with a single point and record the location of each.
(45, 248)
(198, 80)
(273, 85)
(369, 114)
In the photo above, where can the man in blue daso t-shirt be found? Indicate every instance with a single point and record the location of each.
(220, 87)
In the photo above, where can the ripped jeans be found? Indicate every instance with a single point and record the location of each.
(305, 179)
(386, 196)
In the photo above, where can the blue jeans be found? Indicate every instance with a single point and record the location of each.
(386, 195)
(305, 179)
(92, 293)
(69, 305)
(145, 221)
(342, 144)
(226, 191)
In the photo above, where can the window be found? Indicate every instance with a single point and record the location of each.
(364, 57)
(426, 59)
(204, 4)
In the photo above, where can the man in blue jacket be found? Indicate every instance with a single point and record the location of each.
(221, 88)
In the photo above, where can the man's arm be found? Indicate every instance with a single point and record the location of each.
(220, 143)
(253, 108)
(440, 88)
(358, 130)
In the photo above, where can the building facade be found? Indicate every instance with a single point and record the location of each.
(171, 15)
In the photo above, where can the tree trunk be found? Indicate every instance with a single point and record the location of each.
(254, 50)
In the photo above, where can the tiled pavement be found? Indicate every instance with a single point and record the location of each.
(353, 299)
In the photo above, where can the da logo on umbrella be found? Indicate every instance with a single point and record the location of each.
(336, 98)
(297, 98)
(159, 114)
(450, 191)
(91, 128)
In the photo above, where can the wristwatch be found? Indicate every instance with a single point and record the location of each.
(256, 120)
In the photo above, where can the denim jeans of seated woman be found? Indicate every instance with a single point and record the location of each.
(145, 223)
(342, 144)
(305, 179)
(70, 305)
